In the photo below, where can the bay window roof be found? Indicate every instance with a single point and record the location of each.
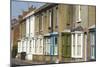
(79, 28)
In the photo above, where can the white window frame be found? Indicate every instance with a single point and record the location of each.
(47, 44)
(74, 51)
(41, 45)
(28, 47)
(50, 13)
(19, 47)
(33, 46)
(24, 45)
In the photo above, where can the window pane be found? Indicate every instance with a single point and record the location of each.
(55, 50)
(47, 46)
(55, 40)
(74, 50)
(73, 39)
(55, 46)
(92, 43)
(79, 45)
(92, 38)
(92, 52)
(73, 45)
(78, 50)
(79, 39)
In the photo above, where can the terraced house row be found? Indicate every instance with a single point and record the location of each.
(58, 33)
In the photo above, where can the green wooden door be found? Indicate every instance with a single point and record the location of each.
(66, 44)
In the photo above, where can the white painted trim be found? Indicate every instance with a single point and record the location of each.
(82, 40)
(75, 45)
(72, 46)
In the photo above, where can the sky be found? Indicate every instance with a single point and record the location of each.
(18, 6)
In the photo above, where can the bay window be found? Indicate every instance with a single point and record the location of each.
(24, 45)
(51, 47)
(41, 46)
(77, 45)
(47, 44)
(33, 46)
(19, 47)
(38, 46)
(28, 46)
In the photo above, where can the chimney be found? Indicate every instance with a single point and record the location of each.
(20, 17)
(31, 8)
(24, 13)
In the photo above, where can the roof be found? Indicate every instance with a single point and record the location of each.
(44, 7)
(91, 27)
(29, 14)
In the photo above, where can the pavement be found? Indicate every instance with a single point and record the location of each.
(18, 62)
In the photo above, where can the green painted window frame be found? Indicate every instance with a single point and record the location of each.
(66, 49)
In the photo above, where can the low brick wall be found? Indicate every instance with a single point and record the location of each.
(45, 58)
(38, 58)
